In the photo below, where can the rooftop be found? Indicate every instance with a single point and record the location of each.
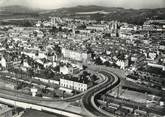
(79, 79)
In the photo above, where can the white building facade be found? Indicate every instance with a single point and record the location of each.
(73, 85)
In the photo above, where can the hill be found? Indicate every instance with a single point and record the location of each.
(134, 16)
(16, 9)
(12, 12)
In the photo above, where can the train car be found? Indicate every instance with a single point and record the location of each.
(141, 112)
(110, 110)
(130, 109)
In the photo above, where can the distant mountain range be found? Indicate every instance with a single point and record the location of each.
(89, 12)
(17, 10)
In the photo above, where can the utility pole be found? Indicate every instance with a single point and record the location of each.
(118, 91)
(16, 95)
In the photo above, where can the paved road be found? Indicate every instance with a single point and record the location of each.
(20, 94)
(88, 100)
(108, 84)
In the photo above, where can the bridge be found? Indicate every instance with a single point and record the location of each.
(88, 98)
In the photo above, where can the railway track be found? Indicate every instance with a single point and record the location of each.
(89, 97)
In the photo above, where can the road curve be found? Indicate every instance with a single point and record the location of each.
(38, 99)
(89, 99)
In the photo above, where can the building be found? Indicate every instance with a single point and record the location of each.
(66, 69)
(74, 55)
(97, 27)
(5, 111)
(138, 60)
(53, 21)
(162, 45)
(122, 63)
(154, 25)
(128, 27)
(2, 62)
(114, 29)
(74, 83)
(156, 65)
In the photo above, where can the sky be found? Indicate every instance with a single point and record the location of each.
(54, 4)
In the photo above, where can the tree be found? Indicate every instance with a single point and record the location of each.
(60, 29)
(94, 77)
(98, 61)
(81, 27)
(74, 92)
(63, 93)
(57, 49)
(84, 67)
(85, 73)
(106, 63)
(31, 73)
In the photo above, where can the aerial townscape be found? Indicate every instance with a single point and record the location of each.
(81, 61)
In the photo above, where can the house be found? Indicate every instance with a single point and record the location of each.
(122, 63)
(73, 84)
(80, 83)
(3, 62)
(66, 69)
(78, 56)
